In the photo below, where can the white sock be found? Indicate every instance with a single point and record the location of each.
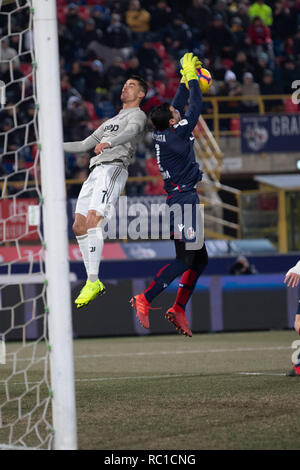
(83, 243)
(95, 246)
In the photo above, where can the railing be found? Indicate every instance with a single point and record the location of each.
(216, 116)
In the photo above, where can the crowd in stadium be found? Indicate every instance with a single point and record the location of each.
(250, 48)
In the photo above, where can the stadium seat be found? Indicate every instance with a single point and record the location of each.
(91, 110)
(152, 167)
(171, 88)
(290, 107)
(61, 14)
(235, 127)
(160, 88)
(160, 49)
(169, 68)
(84, 12)
(155, 188)
(26, 69)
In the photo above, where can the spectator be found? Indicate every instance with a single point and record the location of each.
(101, 16)
(260, 67)
(231, 88)
(89, 34)
(117, 35)
(161, 16)
(242, 266)
(7, 54)
(77, 78)
(263, 11)
(135, 188)
(283, 24)
(259, 33)
(178, 38)
(221, 9)
(94, 79)
(268, 86)
(76, 119)
(295, 12)
(289, 73)
(219, 38)
(134, 67)
(137, 18)
(241, 65)
(149, 59)
(197, 17)
(296, 44)
(74, 23)
(249, 88)
(238, 31)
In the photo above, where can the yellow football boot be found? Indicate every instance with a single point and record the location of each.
(89, 292)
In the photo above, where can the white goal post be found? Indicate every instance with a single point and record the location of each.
(55, 223)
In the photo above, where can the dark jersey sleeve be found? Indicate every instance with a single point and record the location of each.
(186, 126)
(181, 98)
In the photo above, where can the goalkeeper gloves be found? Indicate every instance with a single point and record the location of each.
(198, 65)
(188, 63)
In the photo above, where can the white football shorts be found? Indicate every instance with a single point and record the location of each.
(102, 189)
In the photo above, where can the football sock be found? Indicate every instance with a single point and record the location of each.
(163, 278)
(95, 247)
(83, 243)
(186, 287)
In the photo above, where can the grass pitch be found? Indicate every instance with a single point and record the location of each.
(212, 391)
(172, 392)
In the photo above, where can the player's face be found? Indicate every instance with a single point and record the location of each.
(131, 92)
(176, 116)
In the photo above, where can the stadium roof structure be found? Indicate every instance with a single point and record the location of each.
(285, 182)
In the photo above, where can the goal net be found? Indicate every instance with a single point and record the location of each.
(26, 389)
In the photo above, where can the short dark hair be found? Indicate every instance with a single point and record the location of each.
(141, 81)
(160, 116)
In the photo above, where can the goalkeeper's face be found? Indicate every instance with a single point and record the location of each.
(132, 92)
(175, 116)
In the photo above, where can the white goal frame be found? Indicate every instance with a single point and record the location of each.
(55, 224)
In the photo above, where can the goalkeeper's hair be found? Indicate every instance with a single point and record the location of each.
(142, 83)
(160, 116)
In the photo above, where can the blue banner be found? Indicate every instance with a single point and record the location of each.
(275, 133)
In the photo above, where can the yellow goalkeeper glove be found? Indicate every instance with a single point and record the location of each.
(184, 80)
(189, 66)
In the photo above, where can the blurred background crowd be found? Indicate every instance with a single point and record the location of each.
(250, 48)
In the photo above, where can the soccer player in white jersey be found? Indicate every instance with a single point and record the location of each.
(292, 279)
(115, 143)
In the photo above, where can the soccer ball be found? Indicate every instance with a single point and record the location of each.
(204, 79)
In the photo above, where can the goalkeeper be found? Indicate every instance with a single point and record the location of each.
(176, 160)
(292, 279)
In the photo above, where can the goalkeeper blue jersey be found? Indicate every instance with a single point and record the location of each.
(175, 146)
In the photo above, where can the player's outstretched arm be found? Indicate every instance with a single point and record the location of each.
(292, 277)
(80, 146)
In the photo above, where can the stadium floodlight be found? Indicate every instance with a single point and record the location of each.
(38, 320)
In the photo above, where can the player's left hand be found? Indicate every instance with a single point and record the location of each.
(101, 147)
